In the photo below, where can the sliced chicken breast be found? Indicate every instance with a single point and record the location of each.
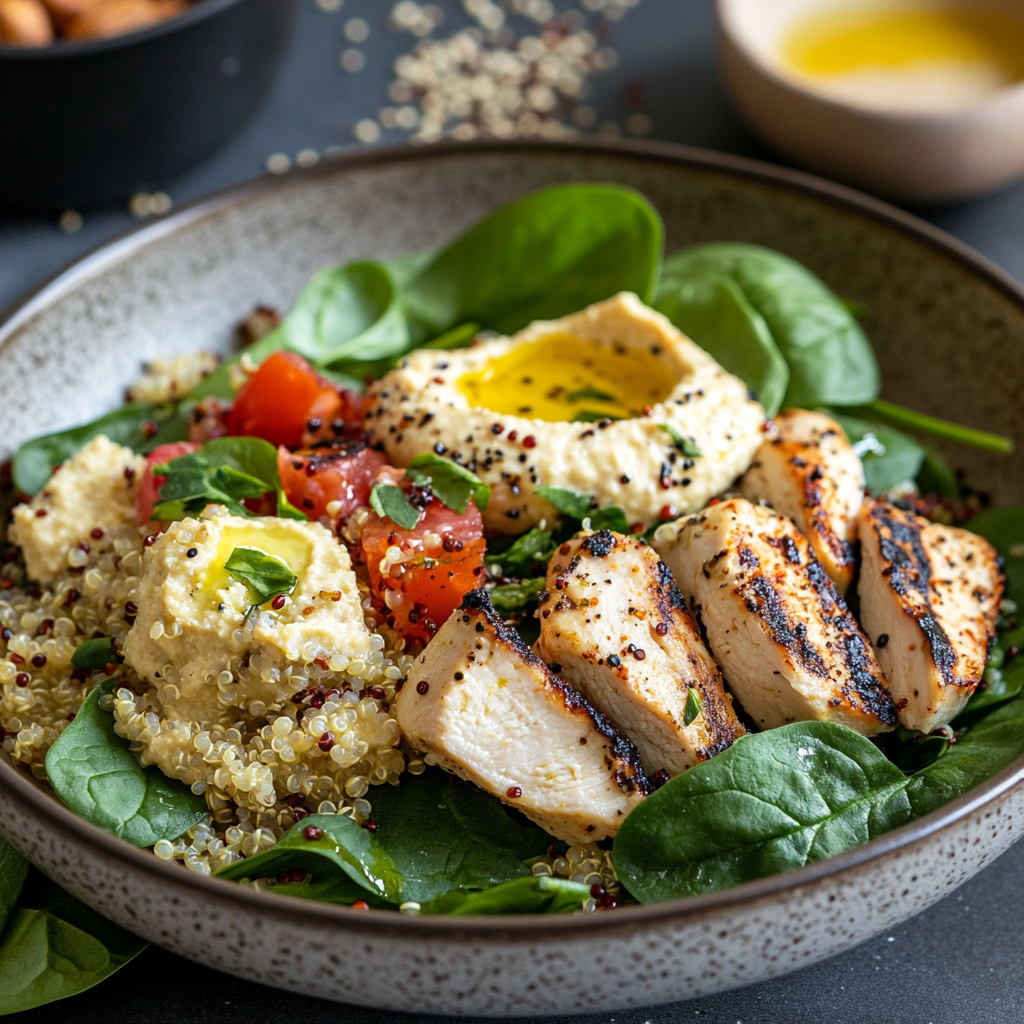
(614, 624)
(787, 643)
(809, 472)
(491, 711)
(929, 596)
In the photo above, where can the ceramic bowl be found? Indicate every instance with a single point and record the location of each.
(913, 157)
(949, 331)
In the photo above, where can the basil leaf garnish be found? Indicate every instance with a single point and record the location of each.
(684, 444)
(390, 502)
(264, 575)
(453, 485)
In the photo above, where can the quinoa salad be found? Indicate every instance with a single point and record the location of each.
(539, 573)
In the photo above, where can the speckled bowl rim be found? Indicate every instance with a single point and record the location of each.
(523, 927)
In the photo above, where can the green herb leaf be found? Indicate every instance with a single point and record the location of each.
(891, 458)
(935, 477)
(590, 416)
(451, 483)
(131, 425)
(589, 394)
(897, 415)
(778, 800)
(544, 256)
(55, 947)
(95, 774)
(527, 553)
(13, 870)
(94, 655)
(264, 575)
(514, 597)
(539, 894)
(610, 518)
(713, 311)
(569, 503)
(829, 357)
(684, 444)
(693, 708)
(389, 502)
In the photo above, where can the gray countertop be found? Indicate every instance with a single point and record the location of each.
(958, 963)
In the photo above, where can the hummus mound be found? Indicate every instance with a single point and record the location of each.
(198, 639)
(633, 462)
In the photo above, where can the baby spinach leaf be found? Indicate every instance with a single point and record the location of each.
(891, 459)
(514, 597)
(94, 655)
(13, 869)
(684, 444)
(544, 256)
(131, 425)
(569, 503)
(389, 502)
(898, 416)
(265, 576)
(829, 357)
(345, 860)
(538, 894)
(224, 471)
(95, 774)
(1003, 528)
(451, 483)
(610, 518)
(935, 477)
(526, 554)
(693, 708)
(713, 311)
(54, 947)
(777, 800)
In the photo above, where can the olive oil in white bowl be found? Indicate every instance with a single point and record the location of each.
(919, 100)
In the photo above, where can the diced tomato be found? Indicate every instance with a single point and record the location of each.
(147, 491)
(284, 400)
(440, 560)
(342, 472)
(346, 424)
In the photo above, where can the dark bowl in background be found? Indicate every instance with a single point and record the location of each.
(85, 123)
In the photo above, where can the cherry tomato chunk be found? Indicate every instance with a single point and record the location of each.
(343, 472)
(147, 491)
(438, 562)
(281, 398)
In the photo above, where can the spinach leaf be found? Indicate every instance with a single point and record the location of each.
(712, 310)
(935, 477)
(829, 357)
(515, 597)
(131, 425)
(524, 556)
(389, 502)
(576, 507)
(95, 774)
(13, 869)
(569, 503)
(684, 444)
(891, 459)
(94, 655)
(453, 485)
(897, 415)
(537, 894)
(265, 576)
(54, 947)
(224, 471)
(778, 800)
(544, 256)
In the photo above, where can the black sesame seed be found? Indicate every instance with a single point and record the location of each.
(192, 552)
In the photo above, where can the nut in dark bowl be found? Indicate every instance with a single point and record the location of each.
(96, 114)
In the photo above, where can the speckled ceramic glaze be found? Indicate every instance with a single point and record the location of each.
(949, 331)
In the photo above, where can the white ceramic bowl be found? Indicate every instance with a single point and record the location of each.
(912, 157)
(949, 332)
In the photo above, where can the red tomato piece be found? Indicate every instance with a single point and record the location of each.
(439, 561)
(147, 491)
(280, 399)
(341, 472)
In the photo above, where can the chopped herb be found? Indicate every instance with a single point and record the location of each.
(389, 502)
(589, 416)
(684, 444)
(589, 394)
(515, 597)
(94, 654)
(694, 706)
(264, 575)
(453, 485)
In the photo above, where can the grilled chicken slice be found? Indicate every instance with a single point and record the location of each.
(789, 647)
(615, 625)
(929, 595)
(491, 711)
(809, 472)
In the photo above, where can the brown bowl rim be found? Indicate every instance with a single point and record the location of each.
(520, 927)
(67, 48)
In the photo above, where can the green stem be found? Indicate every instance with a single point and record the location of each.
(898, 416)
